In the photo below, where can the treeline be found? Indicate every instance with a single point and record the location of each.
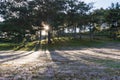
(24, 19)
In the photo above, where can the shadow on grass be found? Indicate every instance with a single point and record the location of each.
(11, 57)
(58, 67)
(63, 65)
(60, 43)
(70, 65)
(84, 66)
(107, 53)
(31, 46)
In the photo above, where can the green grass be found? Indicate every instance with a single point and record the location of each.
(56, 44)
(67, 42)
(18, 46)
(107, 62)
(29, 46)
(7, 46)
(62, 42)
(111, 63)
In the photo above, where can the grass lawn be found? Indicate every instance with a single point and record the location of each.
(8, 46)
(64, 59)
(63, 42)
(60, 44)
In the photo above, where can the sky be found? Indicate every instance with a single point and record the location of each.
(97, 4)
(101, 3)
(1, 19)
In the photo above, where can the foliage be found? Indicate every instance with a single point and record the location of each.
(22, 15)
(25, 17)
(113, 15)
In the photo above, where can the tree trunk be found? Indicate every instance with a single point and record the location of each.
(40, 38)
(49, 37)
(91, 33)
(75, 32)
(80, 33)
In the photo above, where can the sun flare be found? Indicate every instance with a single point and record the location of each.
(44, 32)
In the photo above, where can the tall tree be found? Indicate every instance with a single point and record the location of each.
(113, 18)
(24, 14)
(76, 11)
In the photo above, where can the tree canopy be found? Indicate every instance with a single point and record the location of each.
(21, 16)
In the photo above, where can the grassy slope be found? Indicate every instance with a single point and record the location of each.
(63, 42)
(66, 43)
(7, 46)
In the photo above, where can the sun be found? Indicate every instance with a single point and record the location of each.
(44, 32)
